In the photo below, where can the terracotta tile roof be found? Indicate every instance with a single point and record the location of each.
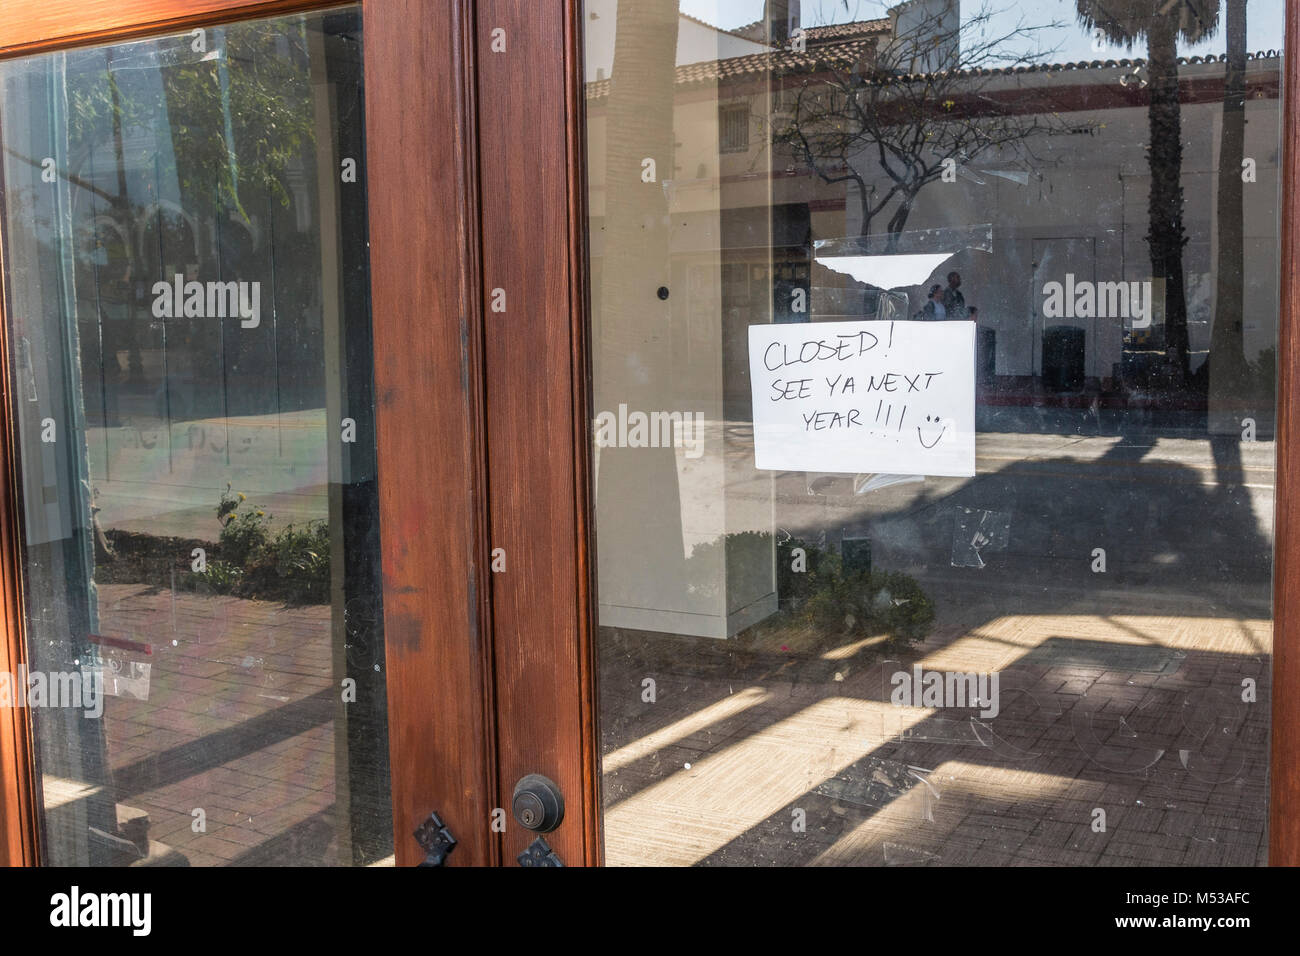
(757, 31)
(753, 64)
(846, 31)
(854, 42)
(1109, 64)
(734, 32)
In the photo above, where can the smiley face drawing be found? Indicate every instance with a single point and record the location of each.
(931, 422)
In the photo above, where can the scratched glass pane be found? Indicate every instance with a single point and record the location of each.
(933, 430)
(188, 296)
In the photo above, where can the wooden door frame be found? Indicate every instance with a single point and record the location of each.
(1284, 741)
(433, 265)
(550, 380)
(534, 222)
(427, 315)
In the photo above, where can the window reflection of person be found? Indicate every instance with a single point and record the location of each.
(954, 302)
(933, 310)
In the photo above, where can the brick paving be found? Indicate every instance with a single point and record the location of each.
(1124, 698)
(1121, 692)
(714, 771)
(239, 722)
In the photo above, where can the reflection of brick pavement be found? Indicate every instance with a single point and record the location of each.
(1133, 713)
(239, 721)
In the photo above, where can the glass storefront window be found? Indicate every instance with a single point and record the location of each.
(189, 344)
(934, 362)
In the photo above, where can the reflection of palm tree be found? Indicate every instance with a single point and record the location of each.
(1226, 345)
(1162, 22)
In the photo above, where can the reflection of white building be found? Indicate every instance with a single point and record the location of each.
(743, 217)
(1072, 204)
(1083, 209)
(697, 41)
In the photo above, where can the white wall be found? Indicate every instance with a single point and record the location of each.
(696, 42)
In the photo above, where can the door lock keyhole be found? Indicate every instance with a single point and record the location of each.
(537, 803)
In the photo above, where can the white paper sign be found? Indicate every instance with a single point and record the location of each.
(864, 397)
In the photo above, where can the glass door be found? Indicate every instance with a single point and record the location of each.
(933, 407)
(218, 345)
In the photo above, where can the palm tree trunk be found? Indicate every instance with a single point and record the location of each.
(1227, 352)
(1166, 237)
